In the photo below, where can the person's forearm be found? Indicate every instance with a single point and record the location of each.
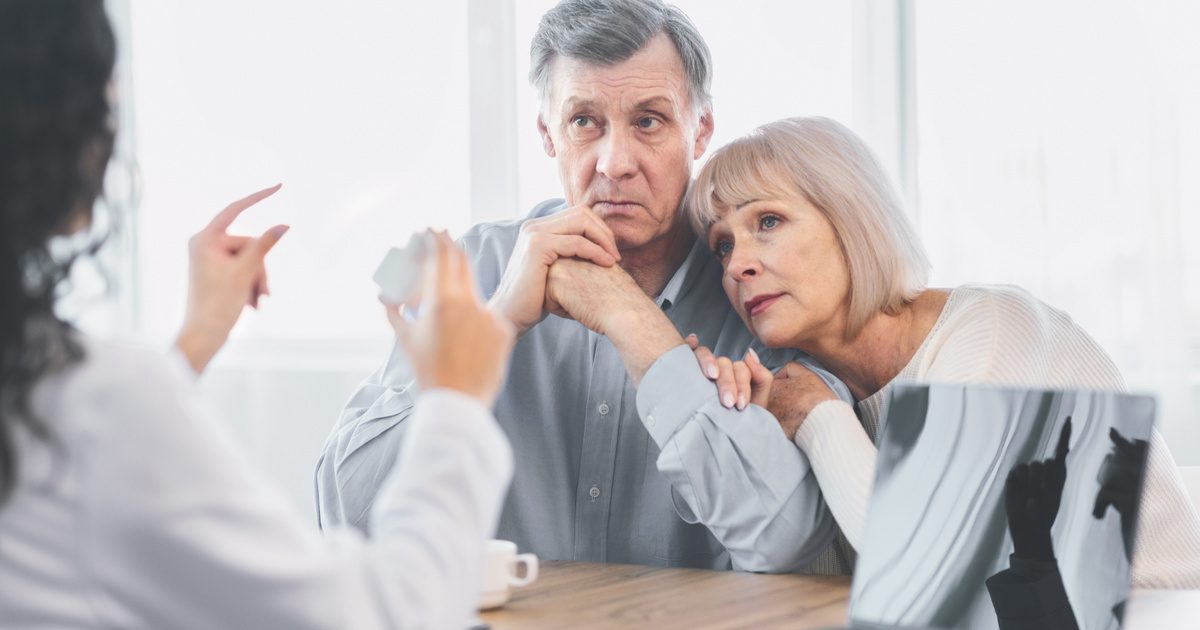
(439, 506)
(735, 471)
(198, 347)
(843, 460)
(360, 451)
(641, 333)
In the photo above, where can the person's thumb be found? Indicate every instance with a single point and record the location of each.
(761, 379)
(402, 327)
(257, 249)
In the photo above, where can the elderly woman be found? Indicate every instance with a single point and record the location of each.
(819, 256)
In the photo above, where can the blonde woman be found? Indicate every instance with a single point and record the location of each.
(818, 256)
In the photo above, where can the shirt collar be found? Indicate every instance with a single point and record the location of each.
(670, 293)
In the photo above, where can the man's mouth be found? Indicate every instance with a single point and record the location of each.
(759, 303)
(614, 206)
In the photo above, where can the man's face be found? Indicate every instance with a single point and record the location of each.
(625, 137)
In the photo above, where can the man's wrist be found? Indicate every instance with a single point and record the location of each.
(640, 334)
(629, 314)
(498, 308)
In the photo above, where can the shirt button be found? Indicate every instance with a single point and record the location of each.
(594, 493)
(650, 421)
(603, 409)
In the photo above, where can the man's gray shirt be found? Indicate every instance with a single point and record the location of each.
(662, 475)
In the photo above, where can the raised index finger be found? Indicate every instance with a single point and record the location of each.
(1064, 441)
(225, 218)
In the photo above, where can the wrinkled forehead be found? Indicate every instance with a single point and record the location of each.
(653, 74)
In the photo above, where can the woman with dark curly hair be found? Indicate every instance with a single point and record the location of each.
(122, 502)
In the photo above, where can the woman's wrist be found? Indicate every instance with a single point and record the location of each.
(198, 346)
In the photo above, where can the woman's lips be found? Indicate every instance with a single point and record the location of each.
(759, 304)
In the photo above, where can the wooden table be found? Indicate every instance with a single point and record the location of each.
(581, 595)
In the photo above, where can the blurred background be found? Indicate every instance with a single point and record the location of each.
(1054, 146)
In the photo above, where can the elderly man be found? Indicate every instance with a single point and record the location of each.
(623, 451)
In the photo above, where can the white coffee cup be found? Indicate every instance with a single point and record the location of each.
(501, 565)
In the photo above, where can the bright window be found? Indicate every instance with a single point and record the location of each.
(1058, 147)
(360, 108)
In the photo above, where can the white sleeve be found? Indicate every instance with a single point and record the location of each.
(974, 345)
(183, 532)
(843, 459)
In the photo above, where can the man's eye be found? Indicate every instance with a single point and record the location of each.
(768, 222)
(649, 122)
(581, 121)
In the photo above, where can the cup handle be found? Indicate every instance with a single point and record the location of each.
(531, 570)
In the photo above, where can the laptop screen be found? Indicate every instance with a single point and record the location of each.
(1002, 508)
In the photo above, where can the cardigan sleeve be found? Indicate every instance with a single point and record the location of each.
(843, 459)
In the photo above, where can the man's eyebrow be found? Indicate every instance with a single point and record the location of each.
(657, 103)
(575, 102)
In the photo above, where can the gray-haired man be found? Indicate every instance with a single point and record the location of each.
(624, 453)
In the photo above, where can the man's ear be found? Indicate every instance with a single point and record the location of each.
(704, 133)
(547, 141)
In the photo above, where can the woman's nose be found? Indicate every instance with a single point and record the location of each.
(743, 263)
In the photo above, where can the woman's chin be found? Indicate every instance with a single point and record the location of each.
(771, 338)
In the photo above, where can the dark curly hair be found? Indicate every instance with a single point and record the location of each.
(56, 137)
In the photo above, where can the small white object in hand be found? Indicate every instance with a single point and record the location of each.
(399, 275)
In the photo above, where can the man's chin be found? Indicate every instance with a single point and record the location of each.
(637, 233)
(628, 235)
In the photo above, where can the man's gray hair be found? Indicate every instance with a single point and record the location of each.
(607, 32)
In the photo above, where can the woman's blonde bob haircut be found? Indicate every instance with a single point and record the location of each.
(825, 163)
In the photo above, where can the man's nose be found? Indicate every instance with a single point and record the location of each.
(618, 157)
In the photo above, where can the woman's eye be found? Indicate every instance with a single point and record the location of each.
(723, 249)
(649, 123)
(768, 222)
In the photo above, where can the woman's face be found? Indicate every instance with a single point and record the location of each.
(785, 273)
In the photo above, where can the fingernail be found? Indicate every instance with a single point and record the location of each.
(713, 372)
(279, 230)
(742, 402)
(751, 352)
(727, 400)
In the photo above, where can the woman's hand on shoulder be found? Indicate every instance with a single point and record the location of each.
(796, 392)
(789, 394)
(226, 273)
(739, 383)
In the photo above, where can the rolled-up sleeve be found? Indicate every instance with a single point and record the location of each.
(361, 449)
(734, 471)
